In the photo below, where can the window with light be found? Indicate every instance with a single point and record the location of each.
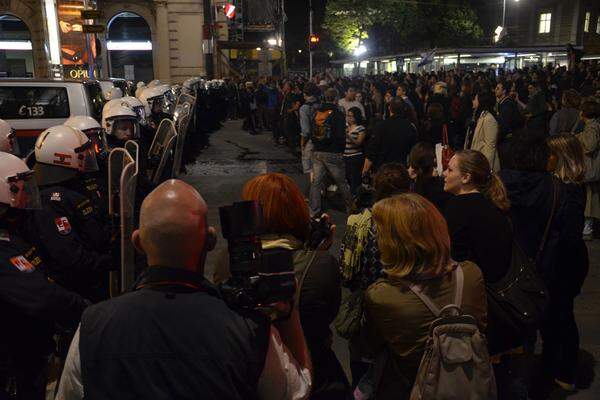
(586, 24)
(598, 25)
(545, 19)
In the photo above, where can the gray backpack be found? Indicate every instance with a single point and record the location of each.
(456, 364)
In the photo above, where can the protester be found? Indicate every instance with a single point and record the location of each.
(590, 139)
(567, 118)
(510, 120)
(349, 101)
(307, 114)
(291, 122)
(421, 167)
(485, 135)
(327, 157)
(415, 248)
(392, 139)
(173, 335)
(353, 154)
(360, 257)
(559, 331)
(477, 221)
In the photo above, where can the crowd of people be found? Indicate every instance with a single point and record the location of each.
(461, 188)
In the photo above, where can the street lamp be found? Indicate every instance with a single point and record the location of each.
(360, 50)
(504, 12)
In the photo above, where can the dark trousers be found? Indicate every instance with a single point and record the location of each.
(560, 338)
(354, 165)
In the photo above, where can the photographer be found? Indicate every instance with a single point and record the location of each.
(288, 226)
(173, 336)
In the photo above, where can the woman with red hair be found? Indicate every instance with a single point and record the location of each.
(287, 226)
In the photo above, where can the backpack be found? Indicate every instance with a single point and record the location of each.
(456, 363)
(323, 126)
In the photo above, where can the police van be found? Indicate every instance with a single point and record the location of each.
(32, 105)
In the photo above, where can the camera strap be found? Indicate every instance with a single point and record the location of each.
(302, 277)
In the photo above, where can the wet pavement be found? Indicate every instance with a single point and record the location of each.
(235, 157)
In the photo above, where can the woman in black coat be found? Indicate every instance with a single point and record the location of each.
(421, 165)
(536, 195)
(477, 215)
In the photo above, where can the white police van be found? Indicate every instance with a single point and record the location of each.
(31, 106)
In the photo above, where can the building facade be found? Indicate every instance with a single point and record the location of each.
(554, 22)
(140, 40)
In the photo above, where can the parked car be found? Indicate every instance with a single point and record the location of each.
(32, 105)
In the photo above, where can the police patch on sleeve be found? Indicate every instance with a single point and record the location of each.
(63, 225)
(22, 264)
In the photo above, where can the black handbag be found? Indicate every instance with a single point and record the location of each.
(517, 303)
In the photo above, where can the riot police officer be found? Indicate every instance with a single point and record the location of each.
(113, 93)
(69, 231)
(120, 122)
(146, 132)
(159, 102)
(8, 139)
(30, 304)
(94, 183)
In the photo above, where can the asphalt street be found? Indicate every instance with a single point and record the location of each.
(234, 157)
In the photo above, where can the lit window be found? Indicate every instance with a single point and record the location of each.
(586, 24)
(545, 19)
(598, 26)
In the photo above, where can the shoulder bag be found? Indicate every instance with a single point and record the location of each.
(517, 303)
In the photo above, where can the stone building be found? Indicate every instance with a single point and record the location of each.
(142, 39)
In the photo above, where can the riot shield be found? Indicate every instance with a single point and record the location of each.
(161, 149)
(185, 98)
(122, 182)
(179, 145)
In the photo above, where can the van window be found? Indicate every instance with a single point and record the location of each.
(33, 102)
(96, 99)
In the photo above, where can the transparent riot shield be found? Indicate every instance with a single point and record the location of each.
(122, 182)
(184, 112)
(185, 98)
(161, 150)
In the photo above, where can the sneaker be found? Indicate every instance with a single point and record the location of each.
(588, 229)
(332, 188)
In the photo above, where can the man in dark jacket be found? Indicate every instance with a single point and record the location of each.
(392, 141)
(173, 336)
(327, 157)
(510, 120)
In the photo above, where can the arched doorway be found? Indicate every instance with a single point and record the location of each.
(16, 52)
(129, 46)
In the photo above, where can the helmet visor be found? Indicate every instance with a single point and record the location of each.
(87, 157)
(141, 113)
(24, 191)
(98, 139)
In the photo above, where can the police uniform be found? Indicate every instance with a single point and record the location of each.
(74, 242)
(30, 304)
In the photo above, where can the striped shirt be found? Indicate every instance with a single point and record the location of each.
(351, 148)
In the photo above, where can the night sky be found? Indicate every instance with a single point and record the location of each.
(297, 27)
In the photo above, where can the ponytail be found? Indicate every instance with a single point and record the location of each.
(495, 191)
(489, 184)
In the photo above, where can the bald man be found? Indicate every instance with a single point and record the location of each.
(173, 336)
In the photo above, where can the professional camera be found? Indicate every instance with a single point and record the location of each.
(259, 278)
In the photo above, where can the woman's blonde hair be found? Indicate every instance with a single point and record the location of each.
(412, 236)
(570, 164)
(488, 183)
